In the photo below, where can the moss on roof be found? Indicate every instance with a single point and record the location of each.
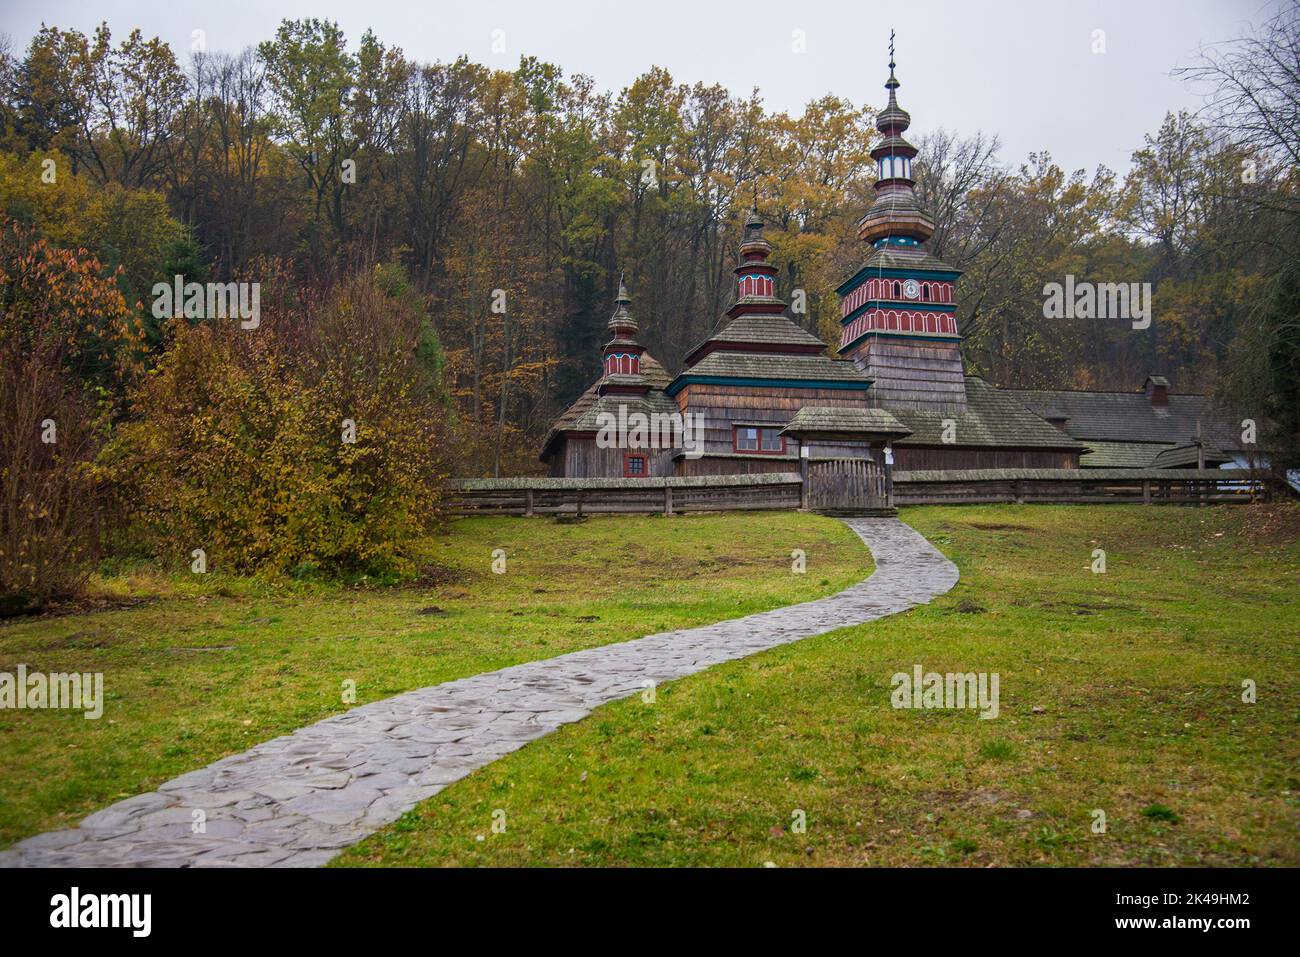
(1185, 455)
(757, 365)
(839, 419)
(754, 328)
(902, 257)
(1127, 455)
(993, 417)
(1130, 416)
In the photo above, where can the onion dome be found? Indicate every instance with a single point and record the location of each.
(755, 276)
(895, 216)
(893, 119)
(621, 357)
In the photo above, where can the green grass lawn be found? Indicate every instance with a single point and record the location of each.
(211, 665)
(1120, 692)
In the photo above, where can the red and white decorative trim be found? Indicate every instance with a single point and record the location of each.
(900, 320)
(880, 289)
(756, 284)
(622, 363)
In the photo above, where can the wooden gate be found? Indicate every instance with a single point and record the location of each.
(848, 485)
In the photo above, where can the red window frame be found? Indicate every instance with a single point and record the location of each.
(627, 465)
(762, 433)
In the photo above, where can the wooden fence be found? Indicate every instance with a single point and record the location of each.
(839, 487)
(568, 496)
(1141, 486)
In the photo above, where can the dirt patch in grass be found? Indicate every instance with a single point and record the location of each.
(76, 606)
(1276, 523)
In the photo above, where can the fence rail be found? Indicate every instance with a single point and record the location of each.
(1081, 486)
(560, 496)
(784, 490)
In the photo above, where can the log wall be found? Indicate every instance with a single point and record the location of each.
(582, 458)
(947, 457)
(724, 406)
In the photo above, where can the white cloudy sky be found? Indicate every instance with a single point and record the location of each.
(1021, 68)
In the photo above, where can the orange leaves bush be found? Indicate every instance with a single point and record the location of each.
(63, 328)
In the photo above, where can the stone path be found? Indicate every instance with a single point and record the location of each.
(299, 799)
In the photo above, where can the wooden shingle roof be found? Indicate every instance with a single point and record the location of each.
(1185, 455)
(753, 329)
(1130, 416)
(776, 367)
(764, 329)
(838, 419)
(581, 415)
(1120, 455)
(992, 417)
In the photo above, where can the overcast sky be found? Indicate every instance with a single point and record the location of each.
(1024, 69)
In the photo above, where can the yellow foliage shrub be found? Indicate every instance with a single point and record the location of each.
(309, 444)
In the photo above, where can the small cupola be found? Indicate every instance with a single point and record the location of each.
(621, 357)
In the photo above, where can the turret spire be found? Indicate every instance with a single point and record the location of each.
(755, 276)
(895, 217)
(621, 356)
(898, 311)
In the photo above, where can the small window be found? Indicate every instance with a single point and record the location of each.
(634, 466)
(751, 438)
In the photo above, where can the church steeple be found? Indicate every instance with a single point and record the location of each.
(895, 218)
(755, 276)
(621, 356)
(898, 311)
(621, 323)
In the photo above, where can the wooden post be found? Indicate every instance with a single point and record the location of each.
(668, 499)
(889, 485)
(528, 502)
(1146, 491)
(803, 483)
(579, 503)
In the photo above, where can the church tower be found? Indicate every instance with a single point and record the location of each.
(898, 311)
(621, 356)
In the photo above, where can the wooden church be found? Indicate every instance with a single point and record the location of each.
(763, 392)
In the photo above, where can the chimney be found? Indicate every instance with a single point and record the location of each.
(1157, 389)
